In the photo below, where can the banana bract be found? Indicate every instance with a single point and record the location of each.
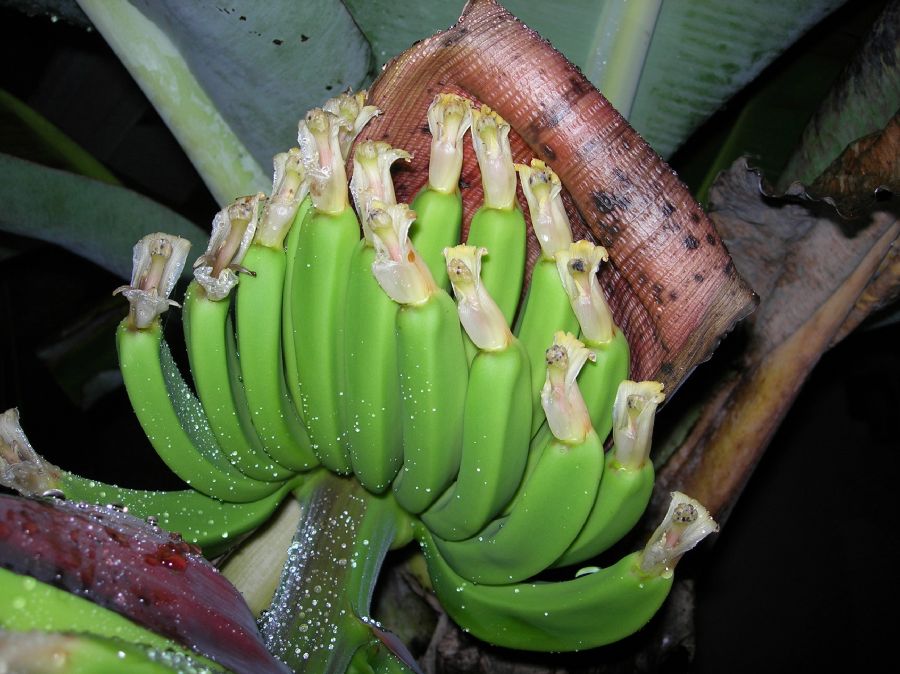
(366, 353)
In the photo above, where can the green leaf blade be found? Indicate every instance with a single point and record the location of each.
(98, 221)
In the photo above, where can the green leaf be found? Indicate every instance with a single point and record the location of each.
(232, 80)
(98, 221)
(704, 51)
(701, 52)
(766, 120)
(26, 133)
(862, 102)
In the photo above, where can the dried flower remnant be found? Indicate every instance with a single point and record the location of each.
(567, 414)
(479, 314)
(233, 229)
(157, 263)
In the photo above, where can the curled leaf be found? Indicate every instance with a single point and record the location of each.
(672, 286)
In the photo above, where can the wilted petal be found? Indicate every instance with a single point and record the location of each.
(564, 406)
(233, 229)
(157, 263)
(634, 412)
(686, 523)
(479, 314)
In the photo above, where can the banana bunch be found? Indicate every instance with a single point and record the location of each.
(372, 343)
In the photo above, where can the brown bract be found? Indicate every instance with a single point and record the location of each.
(671, 283)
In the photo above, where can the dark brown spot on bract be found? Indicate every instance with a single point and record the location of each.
(667, 208)
(606, 202)
(667, 369)
(699, 278)
(580, 86)
(548, 152)
(710, 239)
(695, 217)
(691, 242)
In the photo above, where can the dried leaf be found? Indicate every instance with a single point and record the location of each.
(810, 274)
(864, 177)
(673, 287)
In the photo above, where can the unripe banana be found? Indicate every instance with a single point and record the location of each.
(438, 206)
(172, 418)
(206, 331)
(628, 479)
(556, 498)
(318, 291)
(597, 607)
(496, 422)
(258, 321)
(498, 225)
(218, 376)
(598, 382)
(288, 347)
(431, 361)
(370, 406)
(546, 308)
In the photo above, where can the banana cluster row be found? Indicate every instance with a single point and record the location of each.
(405, 358)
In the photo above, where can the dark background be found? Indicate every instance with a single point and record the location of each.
(800, 578)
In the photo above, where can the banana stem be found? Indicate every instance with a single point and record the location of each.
(319, 616)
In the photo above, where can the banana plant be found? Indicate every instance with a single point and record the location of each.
(337, 370)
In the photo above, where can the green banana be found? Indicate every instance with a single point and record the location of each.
(351, 115)
(291, 243)
(438, 205)
(546, 307)
(497, 413)
(431, 361)
(258, 319)
(172, 418)
(498, 225)
(557, 497)
(370, 406)
(209, 523)
(207, 332)
(324, 248)
(628, 479)
(258, 308)
(597, 607)
(578, 269)
(589, 611)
